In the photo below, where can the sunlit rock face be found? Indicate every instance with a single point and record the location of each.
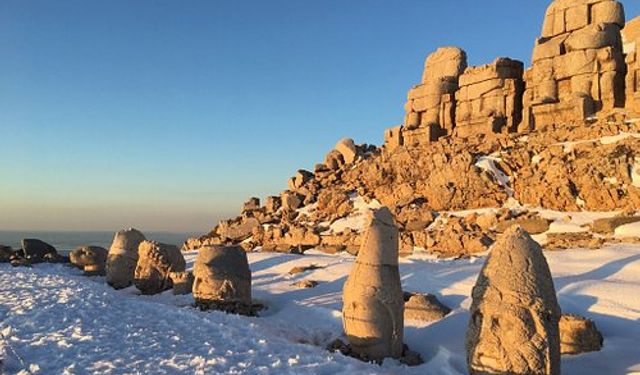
(514, 325)
(222, 279)
(156, 262)
(373, 299)
(123, 257)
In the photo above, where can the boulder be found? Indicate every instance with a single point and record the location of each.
(156, 262)
(5, 253)
(423, 307)
(609, 225)
(347, 148)
(532, 225)
(579, 335)
(251, 205)
(123, 258)
(222, 280)
(514, 324)
(373, 303)
(91, 259)
(37, 251)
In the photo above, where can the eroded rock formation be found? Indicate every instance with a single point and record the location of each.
(222, 279)
(373, 300)
(514, 325)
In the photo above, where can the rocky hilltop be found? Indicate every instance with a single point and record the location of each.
(481, 148)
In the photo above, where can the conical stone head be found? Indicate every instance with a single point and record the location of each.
(373, 303)
(515, 313)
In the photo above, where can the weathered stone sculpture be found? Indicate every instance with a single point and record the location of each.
(431, 105)
(578, 64)
(222, 279)
(579, 335)
(36, 251)
(373, 300)
(514, 325)
(91, 259)
(182, 282)
(123, 258)
(631, 42)
(489, 99)
(156, 262)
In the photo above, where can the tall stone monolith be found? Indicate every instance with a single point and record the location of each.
(373, 311)
(514, 325)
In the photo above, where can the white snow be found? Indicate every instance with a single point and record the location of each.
(488, 164)
(635, 172)
(358, 218)
(55, 321)
(628, 230)
(606, 140)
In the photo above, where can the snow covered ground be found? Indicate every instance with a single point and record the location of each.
(53, 320)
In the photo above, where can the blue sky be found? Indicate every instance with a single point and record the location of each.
(167, 115)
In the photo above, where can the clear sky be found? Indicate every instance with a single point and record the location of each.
(167, 115)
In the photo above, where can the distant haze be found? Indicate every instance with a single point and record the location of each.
(167, 115)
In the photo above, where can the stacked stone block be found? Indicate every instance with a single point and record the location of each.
(631, 40)
(578, 65)
(430, 108)
(489, 98)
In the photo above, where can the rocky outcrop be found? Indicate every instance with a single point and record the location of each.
(222, 280)
(155, 264)
(373, 304)
(91, 259)
(514, 325)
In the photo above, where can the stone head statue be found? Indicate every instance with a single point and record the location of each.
(222, 279)
(156, 262)
(515, 314)
(123, 257)
(373, 302)
(92, 259)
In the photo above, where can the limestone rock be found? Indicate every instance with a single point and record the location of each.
(532, 225)
(514, 325)
(123, 258)
(579, 335)
(373, 301)
(91, 259)
(155, 264)
(562, 241)
(182, 282)
(423, 307)
(222, 279)
(273, 204)
(37, 251)
(347, 149)
(609, 225)
(251, 205)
